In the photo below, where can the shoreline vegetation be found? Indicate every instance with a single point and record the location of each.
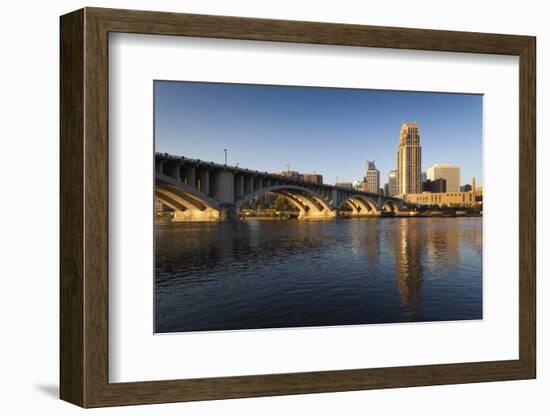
(446, 213)
(273, 215)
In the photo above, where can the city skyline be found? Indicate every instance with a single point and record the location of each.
(327, 131)
(252, 234)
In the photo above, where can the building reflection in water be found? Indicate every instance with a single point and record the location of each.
(473, 239)
(408, 263)
(443, 248)
(372, 247)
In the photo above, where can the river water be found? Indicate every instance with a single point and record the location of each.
(271, 274)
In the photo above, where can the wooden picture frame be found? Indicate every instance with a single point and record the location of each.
(84, 207)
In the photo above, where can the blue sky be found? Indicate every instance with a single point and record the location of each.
(331, 131)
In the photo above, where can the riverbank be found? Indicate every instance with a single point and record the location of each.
(450, 214)
(385, 215)
(167, 218)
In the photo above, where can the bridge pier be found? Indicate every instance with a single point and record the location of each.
(188, 176)
(159, 166)
(204, 181)
(228, 213)
(196, 215)
(226, 188)
(239, 186)
(248, 184)
(317, 215)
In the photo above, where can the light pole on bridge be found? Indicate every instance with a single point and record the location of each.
(225, 155)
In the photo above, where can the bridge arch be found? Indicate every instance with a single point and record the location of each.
(310, 204)
(391, 207)
(361, 205)
(188, 203)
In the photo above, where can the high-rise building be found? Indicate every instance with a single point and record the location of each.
(372, 178)
(450, 173)
(392, 183)
(409, 159)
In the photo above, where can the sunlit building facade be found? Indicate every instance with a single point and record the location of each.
(392, 183)
(471, 198)
(409, 159)
(372, 178)
(450, 173)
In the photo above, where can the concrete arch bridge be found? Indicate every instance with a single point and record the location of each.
(203, 191)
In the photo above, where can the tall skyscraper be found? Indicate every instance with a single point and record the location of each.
(372, 178)
(409, 158)
(392, 183)
(450, 173)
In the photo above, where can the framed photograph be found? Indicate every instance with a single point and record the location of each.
(255, 207)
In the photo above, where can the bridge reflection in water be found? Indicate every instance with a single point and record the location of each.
(265, 274)
(200, 191)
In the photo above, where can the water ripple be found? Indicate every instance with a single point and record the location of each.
(267, 274)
